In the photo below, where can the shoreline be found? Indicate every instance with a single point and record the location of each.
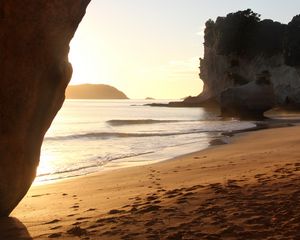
(135, 203)
(224, 138)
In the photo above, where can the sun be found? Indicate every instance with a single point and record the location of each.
(90, 63)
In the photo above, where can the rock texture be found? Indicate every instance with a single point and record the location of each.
(240, 46)
(94, 91)
(34, 43)
(250, 100)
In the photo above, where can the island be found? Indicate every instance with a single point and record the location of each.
(94, 91)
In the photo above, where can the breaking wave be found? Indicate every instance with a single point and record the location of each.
(108, 135)
(120, 122)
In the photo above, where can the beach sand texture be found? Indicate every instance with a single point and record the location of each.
(248, 189)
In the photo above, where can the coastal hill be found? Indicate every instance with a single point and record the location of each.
(94, 91)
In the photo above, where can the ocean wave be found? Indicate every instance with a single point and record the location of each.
(99, 162)
(121, 122)
(210, 127)
(108, 135)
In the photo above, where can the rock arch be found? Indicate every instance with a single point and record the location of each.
(34, 67)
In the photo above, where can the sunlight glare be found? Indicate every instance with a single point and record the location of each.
(45, 167)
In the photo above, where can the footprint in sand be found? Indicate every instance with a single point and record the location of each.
(91, 209)
(151, 198)
(40, 195)
(55, 235)
(71, 215)
(151, 223)
(116, 211)
(161, 190)
(53, 221)
(182, 200)
(82, 218)
(188, 194)
(75, 207)
(151, 208)
(193, 188)
(56, 227)
(77, 231)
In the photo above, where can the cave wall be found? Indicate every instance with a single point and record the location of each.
(34, 66)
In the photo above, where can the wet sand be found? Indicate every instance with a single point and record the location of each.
(248, 189)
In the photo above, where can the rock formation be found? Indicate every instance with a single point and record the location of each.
(240, 46)
(35, 71)
(94, 91)
(250, 100)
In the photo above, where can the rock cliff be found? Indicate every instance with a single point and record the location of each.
(34, 43)
(240, 46)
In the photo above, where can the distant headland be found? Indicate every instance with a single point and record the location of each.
(94, 91)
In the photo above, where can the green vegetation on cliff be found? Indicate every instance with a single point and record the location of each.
(243, 33)
(292, 42)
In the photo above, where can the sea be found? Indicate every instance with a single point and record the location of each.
(89, 136)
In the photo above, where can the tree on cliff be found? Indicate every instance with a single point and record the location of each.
(235, 31)
(268, 38)
(244, 34)
(292, 42)
(209, 33)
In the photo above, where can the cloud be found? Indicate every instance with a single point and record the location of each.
(181, 70)
(184, 66)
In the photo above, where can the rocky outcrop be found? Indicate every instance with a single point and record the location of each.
(34, 43)
(250, 100)
(240, 46)
(94, 91)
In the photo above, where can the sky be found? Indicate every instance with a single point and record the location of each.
(151, 48)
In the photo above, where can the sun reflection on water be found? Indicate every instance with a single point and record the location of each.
(45, 167)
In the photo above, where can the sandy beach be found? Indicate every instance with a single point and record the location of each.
(248, 189)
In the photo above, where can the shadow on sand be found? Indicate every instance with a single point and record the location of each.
(12, 229)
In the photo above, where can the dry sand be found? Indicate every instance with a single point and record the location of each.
(249, 189)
